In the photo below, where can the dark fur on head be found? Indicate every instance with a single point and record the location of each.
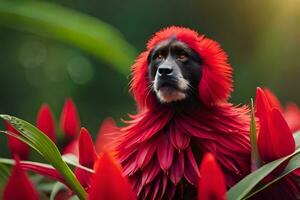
(174, 71)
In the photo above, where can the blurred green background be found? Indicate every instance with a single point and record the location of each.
(84, 49)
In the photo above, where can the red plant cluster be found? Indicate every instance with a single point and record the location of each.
(108, 176)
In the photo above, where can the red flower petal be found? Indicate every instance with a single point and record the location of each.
(191, 171)
(177, 168)
(212, 182)
(272, 99)
(145, 153)
(108, 183)
(179, 139)
(262, 105)
(87, 157)
(45, 122)
(16, 146)
(165, 153)
(87, 152)
(150, 172)
(19, 186)
(106, 133)
(275, 139)
(69, 120)
(292, 117)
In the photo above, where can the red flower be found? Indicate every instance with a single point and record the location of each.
(16, 146)
(106, 134)
(69, 120)
(292, 116)
(87, 157)
(45, 122)
(291, 112)
(19, 186)
(108, 182)
(275, 139)
(212, 181)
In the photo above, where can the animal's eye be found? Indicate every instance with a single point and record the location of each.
(182, 57)
(159, 56)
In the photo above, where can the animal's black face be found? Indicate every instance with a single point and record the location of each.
(174, 70)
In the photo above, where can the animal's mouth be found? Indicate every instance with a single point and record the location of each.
(167, 86)
(171, 83)
(169, 92)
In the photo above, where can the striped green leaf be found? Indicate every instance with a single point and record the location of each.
(47, 149)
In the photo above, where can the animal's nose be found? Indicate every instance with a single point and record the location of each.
(165, 71)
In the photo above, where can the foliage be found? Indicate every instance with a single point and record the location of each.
(69, 26)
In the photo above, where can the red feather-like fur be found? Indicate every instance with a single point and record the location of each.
(161, 147)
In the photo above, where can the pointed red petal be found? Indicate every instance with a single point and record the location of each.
(212, 182)
(45, 122)
(164, 182)
(87, 152)
(108, 183)
(69, 120)
(84, 177)
(150, 172)
(145, 153)
(191, 171)
(264, 146)
(272, 99)
(177, 168)
(156, 186)
(282, 140)
(16, 146)
(19, 186)
(108, 130)
(165, 153)
(262, 106)
(87, 157)
(275, 138)
(178, 138)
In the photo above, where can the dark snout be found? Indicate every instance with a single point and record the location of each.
(167, 75)
(165, 70)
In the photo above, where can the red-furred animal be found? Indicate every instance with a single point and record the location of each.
(181, 85)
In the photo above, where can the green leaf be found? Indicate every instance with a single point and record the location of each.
(293, 164)
(56, 189)
(4, 173)
(66, 25)
(297, 139)
(73, 197)
(73, 161)
(45, 187)
(46, 148)
(242, 188)
(255, 159)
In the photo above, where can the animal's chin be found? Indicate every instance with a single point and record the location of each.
(168, 94)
